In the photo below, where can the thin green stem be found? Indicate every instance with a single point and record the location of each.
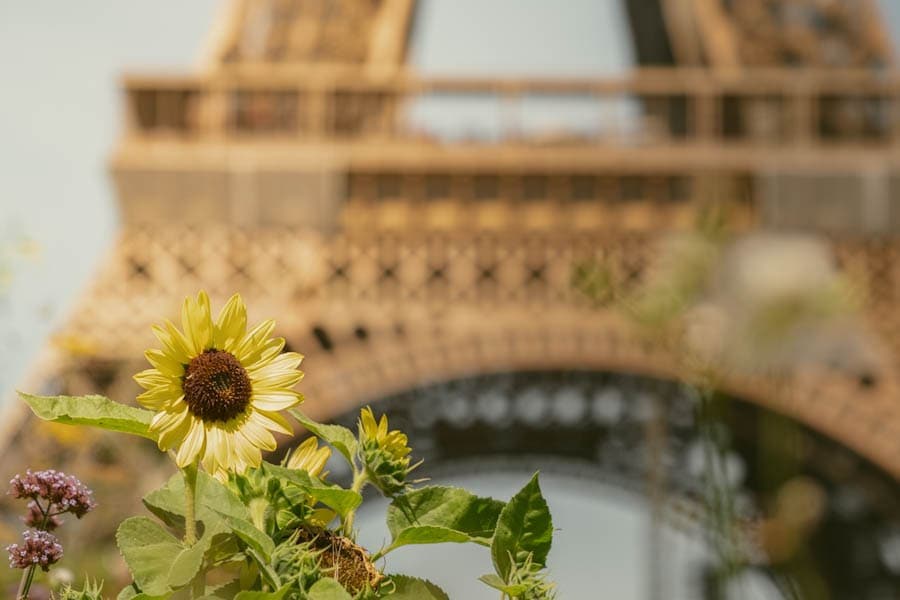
(719, 496)
(190, 500)
(25, 584)
(359, 481)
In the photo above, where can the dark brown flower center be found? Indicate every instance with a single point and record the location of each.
(216, 386)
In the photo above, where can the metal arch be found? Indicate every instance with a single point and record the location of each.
(595, 424)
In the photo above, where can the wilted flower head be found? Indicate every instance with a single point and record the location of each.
(385, 453)
(64, 492)
(37, 548)
(309, 457)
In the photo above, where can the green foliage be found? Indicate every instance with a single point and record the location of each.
(152, 554)
(527, 581)
(411, 588)
(279, 595)
(296, 564)
(328, 589)
(167, 502)
(524, 529)
(520, 546)
(442, 514)
(340, 438)
(263, 530)
(333, 496)
(94, 411)
(91, 590)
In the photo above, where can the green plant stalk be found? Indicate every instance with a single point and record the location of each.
(720, 501)
(25, 584)
(190, 503)
(28, 575)
(359, 480)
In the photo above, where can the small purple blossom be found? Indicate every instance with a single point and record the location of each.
(64, 492)
(38, 548)
(35, 518)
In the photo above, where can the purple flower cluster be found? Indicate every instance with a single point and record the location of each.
(63, 492)
(38, 548)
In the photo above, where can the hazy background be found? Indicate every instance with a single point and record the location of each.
(60, 115)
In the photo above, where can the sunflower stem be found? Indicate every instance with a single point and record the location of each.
(359, 480)
(190, 498)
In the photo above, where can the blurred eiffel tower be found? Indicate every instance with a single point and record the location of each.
(287, 169)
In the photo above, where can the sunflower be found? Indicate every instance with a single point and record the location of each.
(218, 388)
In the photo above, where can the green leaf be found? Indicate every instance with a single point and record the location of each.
(524, 528)
(95, 411)
(328, 589)
(343, 440)
(150, 551)
(159, 562)
(429, 534)
(130, 593)
(332, 496)
(443, 508)
(223, 590)
(281, 593)
(251, 535)
(187, 563)
(410, 588)
(167, 502)
(495, 582)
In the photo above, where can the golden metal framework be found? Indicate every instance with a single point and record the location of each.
(286, 170)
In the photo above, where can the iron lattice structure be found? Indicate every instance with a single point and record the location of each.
(286, 169)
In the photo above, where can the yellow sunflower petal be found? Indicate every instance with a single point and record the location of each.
(161, 398)
(208, 456)
(367, 421)
(223, 449)
(168, 424)
(197, 323)
(192, 445)
(274, 402)
(266, 353)
(254, 343)
(172, 436)
(231, 324)
(248, 452)
(151, 378)
(272, 421)
(282, 381)
(287, 362)
(257, 434)
(164, 363)
(176, 345)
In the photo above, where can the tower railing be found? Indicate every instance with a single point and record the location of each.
(782, 107)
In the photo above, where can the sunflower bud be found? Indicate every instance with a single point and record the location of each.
(385, 453)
